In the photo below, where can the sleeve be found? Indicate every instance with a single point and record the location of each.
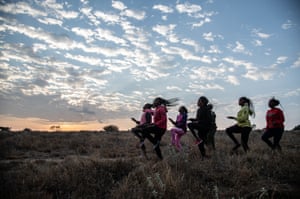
(148, 117)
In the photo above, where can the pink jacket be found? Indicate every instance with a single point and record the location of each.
(143, 119)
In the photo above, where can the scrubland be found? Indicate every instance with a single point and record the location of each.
(108, 165)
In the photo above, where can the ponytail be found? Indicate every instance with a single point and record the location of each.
(165, 102)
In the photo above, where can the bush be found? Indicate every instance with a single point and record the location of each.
(111, 128)
(297, 127)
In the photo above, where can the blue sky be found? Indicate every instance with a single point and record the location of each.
(85, 64)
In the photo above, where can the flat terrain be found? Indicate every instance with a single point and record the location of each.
(109, 165)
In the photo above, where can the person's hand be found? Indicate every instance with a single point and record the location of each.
(231, 117)
(133, 119)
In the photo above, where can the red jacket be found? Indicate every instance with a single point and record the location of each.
(160, 117)
(275, 118)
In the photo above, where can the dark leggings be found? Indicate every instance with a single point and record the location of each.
(155, 140)
(276, 133)
(244, 131)
(202, 134)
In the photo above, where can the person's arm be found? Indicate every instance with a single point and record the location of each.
(172, 121)
(148, 117)
(133, 119)
(231, 117)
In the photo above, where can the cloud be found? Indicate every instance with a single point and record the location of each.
(136, 14)
(57, 10)
(281, 59)
(257, 42)
(107, 17)
(205, 86)
(163, 8)
(296, 64)
(193, 43)
(185, 54)
(206, 73)
(118, 5)
(233, 80)
(167, 32)
(252, 72)
(21, 8)
(257, 33)
(201, 22)
(287, 25)
(50, 21)
(240, 48)
(60, 41)
(188, 8)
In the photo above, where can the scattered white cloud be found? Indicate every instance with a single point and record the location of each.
(188, 8)
(258, 33)
(296, 64)
(240, 48)
(118, 5)
(98, 62)
(163, 8)
(287, 25)
(233, 80)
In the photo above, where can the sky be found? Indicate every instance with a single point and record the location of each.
(82, 65)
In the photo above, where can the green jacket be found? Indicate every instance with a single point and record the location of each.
(243, 117)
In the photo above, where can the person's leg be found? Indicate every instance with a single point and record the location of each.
(210, 139)
(277, 138)
(230, 131)
(193, 126)
(265, 137)
(202, 133)
(213, 139)
(173, 134)
(137, 132)
(146, 133)
(178, 133)
(245, 137)
(157, 138)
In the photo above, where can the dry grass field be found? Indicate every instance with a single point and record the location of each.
(108, 165)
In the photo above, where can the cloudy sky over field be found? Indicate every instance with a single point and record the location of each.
(85, 64)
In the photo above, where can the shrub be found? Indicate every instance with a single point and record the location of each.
(111, 128)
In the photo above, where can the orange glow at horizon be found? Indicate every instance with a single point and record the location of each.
(18, 124)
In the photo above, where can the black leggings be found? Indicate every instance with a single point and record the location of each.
(202, 134)
(276, 133)
(244, 131)
(155, 140)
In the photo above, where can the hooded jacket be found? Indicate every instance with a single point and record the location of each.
(275, 118)
(243, 117)
(160, 117)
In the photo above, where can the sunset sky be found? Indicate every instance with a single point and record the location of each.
(84, 64)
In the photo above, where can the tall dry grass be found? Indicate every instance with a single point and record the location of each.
(108, 165)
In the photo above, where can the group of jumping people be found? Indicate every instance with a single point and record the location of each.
(153, 125)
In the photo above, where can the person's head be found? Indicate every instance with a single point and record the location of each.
(202, 101)
(147, 106)
(182, 109)
(243, 101)
(273, 102)
(161, 101)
